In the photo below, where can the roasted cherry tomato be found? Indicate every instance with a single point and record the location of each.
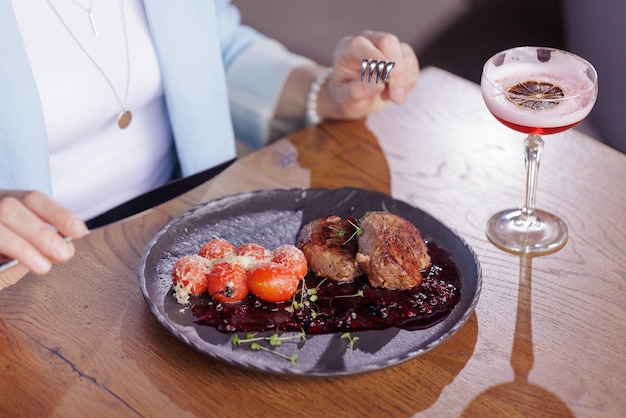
(217, 248)
(292, 258)
(256, 251)
(190, 271)
(272, 282)
(227, 282)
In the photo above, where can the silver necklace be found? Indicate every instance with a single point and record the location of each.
(88, 11)
(125, 116)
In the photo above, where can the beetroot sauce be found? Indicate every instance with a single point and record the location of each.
(338, 309)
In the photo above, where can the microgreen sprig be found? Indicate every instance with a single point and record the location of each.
(273, 340)
(358, 294)
(306, 297)
(351, 340)
(358, 231)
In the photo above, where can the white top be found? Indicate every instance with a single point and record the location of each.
(81, 110)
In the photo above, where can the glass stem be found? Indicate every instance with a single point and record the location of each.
(533, 145)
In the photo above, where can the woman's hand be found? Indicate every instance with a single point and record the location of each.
(345, 96)
(32, 227)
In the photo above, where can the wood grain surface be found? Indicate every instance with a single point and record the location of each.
(547, 337)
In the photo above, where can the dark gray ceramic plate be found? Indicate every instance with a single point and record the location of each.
(272, 218)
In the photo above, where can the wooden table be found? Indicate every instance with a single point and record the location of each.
(547, 337)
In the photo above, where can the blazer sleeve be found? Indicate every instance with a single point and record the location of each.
(256, 70)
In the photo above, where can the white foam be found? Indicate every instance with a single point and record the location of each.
(570, 76)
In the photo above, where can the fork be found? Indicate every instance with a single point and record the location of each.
(382, 68)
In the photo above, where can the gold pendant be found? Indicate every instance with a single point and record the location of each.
(123, 120)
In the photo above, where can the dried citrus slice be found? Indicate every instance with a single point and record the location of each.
(535, 95)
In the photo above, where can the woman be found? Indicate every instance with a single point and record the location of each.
(102, 101)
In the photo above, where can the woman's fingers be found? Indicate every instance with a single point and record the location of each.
(54, 214)
(405, 71)
(16, 247)
(13, 275)
(30, 227)
(378, 46)
(406, 78)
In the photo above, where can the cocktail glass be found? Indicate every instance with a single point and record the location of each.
(536, 91)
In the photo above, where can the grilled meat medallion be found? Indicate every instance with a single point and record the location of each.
(391, 251)
(329, 249)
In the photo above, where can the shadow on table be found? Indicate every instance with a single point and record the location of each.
(412, 386)
(343, 154)
(519, 397)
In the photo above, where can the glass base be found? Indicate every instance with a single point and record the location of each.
(515, 232)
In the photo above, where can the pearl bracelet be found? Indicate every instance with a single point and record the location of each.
(312, 117)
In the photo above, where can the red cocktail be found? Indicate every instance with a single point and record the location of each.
(536, 91)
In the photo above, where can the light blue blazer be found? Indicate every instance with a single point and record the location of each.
(194, 40)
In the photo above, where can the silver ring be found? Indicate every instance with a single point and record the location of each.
(364, 65)
(372, 64)
(379, 70)
(388, 69)
(382, 68)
